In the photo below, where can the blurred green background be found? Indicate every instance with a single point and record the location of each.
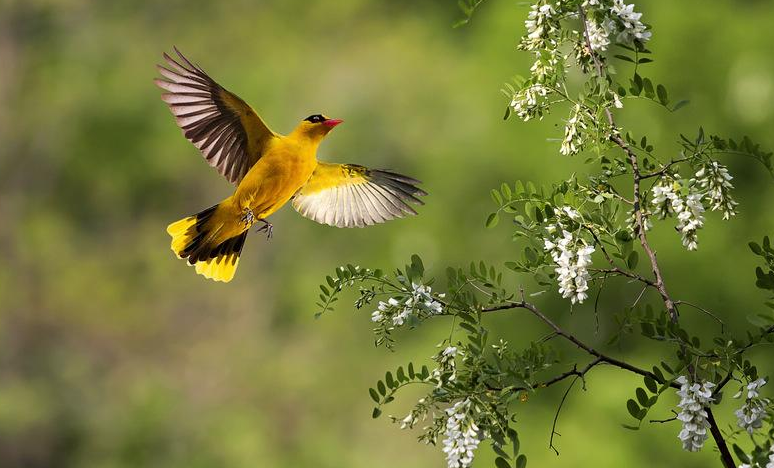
(114, 354)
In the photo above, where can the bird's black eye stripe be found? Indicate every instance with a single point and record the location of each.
(316, 118)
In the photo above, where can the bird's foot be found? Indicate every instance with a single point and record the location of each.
(248, 218)
(267, 227)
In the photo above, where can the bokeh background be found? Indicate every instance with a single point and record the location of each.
(114, 354)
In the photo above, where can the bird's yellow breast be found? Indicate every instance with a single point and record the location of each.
(284, 167)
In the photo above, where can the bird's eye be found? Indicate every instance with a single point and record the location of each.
(316, 118)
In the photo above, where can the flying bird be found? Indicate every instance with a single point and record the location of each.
(268, 169)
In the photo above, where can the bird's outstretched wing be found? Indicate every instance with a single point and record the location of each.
(348, 195)
(222, 126)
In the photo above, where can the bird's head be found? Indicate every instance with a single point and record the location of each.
(316, 126)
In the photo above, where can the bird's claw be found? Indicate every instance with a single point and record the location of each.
(248, 218)
(267, 227)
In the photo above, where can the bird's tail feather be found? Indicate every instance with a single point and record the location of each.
(209, 242)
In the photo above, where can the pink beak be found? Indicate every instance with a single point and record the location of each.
(332, 122)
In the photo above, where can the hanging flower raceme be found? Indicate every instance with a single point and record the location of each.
(598, 34)
(573, 137)
(631, 28)
(667, 201)
(694, 398)
(750, 415)
(540, 25)
(716, 181)
(572, 257)
(461, 435)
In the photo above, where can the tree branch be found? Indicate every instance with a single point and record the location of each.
(725, 455)
(602, 358)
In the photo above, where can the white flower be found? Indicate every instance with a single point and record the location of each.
(539, 26)
(633, 28)
(530, 102)
(689, 210)
(690, 218)
(572, 258)
(663, 195)
(420, 300)
(408, 421)
(598, 35)
(400, 318)
(716, 181)
(571, 213)
(617, 101)
(461, 436)
(446, 364)
(573, 138)
(750, 415)
(694, 398)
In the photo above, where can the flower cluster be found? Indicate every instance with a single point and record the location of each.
(689, 209)
(530, 102)
(598, 35)
(614, 17)
(573, 140)
(540, 24)
(447, 366)
(572, 257)
(398, 312)
(716, 181)
(461, 436)
(629, 20)
(693, 400)
(750, 415)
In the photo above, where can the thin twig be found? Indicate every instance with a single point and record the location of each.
(570, 337)
(705, 311)
(556, 416)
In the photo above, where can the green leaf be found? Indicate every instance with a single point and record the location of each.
(377, 412)
(374, 395)
(521, 461)
(506, 191)
(651, 384)
(740, 454)
(496, 197)
(755, 248)
(662, 94)
(411, 370)
(381, 387)
(631, 262)
(642, 397)
(634, 408)
(680, 104)
(501, 463)
(492, 220)
(388, 379)
(624, 58)
(401, 374)
(647, 85)
(515, 444)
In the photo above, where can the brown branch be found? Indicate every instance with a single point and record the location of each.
(602, 358)
(615, 137)
(725, 454)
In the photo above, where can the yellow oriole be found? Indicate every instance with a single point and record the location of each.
(268, 169)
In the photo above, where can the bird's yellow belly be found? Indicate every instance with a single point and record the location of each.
(272, 182)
